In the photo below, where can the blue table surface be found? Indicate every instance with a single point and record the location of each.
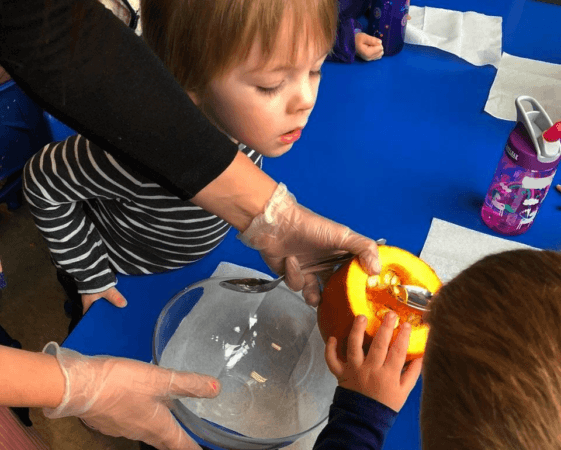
(390, 145)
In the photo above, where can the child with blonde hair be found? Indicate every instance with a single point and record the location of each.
(253, 68)
(492, 372)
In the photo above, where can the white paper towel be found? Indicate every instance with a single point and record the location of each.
(450, 248)
(472, 36)
(520, 76)
(178, 353)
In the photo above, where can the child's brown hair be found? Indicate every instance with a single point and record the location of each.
(201, 39)
(492, 367)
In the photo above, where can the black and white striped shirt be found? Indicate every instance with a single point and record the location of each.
(100, 217)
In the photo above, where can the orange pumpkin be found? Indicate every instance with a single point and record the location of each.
(351, 292)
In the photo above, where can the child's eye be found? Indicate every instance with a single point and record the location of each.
(316, 73)
(269, 91)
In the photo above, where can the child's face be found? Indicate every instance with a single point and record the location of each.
(264, 108)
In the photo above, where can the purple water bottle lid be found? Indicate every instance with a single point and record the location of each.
(520, 149)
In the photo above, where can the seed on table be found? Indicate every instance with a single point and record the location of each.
(257, 377)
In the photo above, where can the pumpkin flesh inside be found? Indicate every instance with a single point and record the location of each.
(351, 292)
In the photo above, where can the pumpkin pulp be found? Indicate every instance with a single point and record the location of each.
(351, 292)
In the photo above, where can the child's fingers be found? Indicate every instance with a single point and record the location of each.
(411, 374)
(355, 354)
(115, 297)
(398, 351)
(379, 347)
(373, 53)
(371, 40)
(87, 301)
(334, 364)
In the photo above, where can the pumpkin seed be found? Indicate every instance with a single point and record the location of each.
(373, 281)
(257, 377)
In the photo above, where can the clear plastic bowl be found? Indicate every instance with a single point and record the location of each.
(266, 351)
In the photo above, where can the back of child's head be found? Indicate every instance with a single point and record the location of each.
(201, 39)
(492, 367)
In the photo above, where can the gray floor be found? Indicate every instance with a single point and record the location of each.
(31, 310)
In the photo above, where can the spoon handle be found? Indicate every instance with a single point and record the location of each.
(337, 259)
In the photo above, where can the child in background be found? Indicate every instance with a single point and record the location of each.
(351, 39)
(492, 372)
(99, 216)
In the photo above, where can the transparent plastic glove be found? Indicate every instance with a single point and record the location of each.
(288, 235)
(124, 397)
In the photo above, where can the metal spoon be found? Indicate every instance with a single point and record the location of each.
(259, 285)
(417, 297)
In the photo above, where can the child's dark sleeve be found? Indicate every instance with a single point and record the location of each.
(84, 66)
(355, 422)
(349, 12)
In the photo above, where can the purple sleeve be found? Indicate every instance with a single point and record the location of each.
(349, 12)
(356, 422)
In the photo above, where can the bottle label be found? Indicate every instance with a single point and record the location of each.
(515, 196)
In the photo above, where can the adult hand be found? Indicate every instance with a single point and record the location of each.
(112, 295)
(368, 47)
(380, 375)
(288, 236)
(124, 397)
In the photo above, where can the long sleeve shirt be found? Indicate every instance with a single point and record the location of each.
(98, 216)
(349, 12)
(84, 66)
(356, 422)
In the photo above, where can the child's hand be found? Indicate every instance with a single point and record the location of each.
(368, 47)
(379, 374)
(112, 295)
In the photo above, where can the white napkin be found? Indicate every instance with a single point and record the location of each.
(178, 353)
(475, 37)
(520, 76)
(450, 248)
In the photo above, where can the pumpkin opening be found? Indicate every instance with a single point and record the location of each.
(351, 292)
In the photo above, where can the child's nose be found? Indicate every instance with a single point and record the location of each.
(306, 96)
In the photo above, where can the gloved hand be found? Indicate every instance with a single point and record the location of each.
(288, 235)
(123, 397)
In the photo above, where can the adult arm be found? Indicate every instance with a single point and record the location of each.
(117, 396)
(79, 62)
(29, 379)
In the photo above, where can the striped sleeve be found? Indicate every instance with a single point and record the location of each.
(57, 182)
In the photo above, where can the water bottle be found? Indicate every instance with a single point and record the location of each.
(525, 171)
(388, 20)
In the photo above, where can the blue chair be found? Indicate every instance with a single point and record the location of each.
(24, 129)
